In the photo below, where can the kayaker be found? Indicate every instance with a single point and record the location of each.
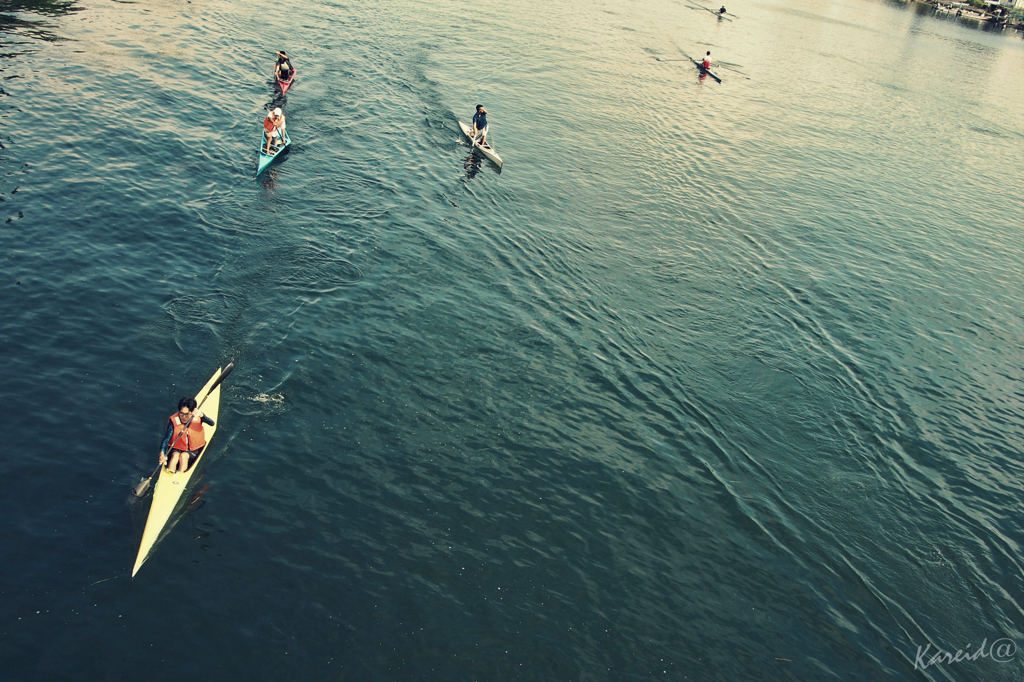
(722, 11)
(707, 60)
(274, 125)
(283, 68)
(184, 435)
(480, 124)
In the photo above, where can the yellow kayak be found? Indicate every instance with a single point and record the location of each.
(168, 491)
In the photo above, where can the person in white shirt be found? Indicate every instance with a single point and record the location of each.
(274, 125)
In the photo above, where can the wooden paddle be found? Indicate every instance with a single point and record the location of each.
(144, 484)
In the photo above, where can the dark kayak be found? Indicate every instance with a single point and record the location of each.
(707, 71)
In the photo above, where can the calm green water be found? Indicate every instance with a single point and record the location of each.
(711, 382)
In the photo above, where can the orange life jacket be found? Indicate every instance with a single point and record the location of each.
(192, 440)
(268, 124)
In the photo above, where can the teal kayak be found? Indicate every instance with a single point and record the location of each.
(267, 159)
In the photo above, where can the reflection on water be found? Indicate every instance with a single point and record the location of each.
(44, 7)
(472, 164)
(36, 30)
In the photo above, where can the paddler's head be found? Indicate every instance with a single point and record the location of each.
(480, 109)
(185, 407)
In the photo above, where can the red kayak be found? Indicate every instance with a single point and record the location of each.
(288, 83)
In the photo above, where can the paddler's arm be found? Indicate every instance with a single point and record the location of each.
(202, 417)
(170, 434)
(167, 441)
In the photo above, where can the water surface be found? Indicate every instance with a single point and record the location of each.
(712, 381)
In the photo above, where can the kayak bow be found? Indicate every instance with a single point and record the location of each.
(167, 493)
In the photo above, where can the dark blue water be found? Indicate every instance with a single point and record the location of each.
(712, 381)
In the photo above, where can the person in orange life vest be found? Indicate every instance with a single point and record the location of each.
(185, 435)
(274, 125)
(707, 60)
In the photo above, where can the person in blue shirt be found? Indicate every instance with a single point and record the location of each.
(480, 124)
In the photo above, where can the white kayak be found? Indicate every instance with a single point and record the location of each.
(484, 149)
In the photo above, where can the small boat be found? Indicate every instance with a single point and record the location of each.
(169, 488)
(267, 159)
(718, 14)
(284, 85)
(700, 67)
(484, 149)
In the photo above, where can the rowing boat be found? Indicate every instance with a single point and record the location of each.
(718, 14)
(169, 488)
(288, 83)
(484, 149)
(702, 69)
(267, 159)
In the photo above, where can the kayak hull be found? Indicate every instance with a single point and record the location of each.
(284, 85)
(700, 67)
(484, 150)
(168, 493)
(266, 159)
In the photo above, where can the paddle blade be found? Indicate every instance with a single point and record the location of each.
(143, 485)
(223, 375)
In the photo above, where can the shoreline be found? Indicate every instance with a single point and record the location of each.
(964, 10)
